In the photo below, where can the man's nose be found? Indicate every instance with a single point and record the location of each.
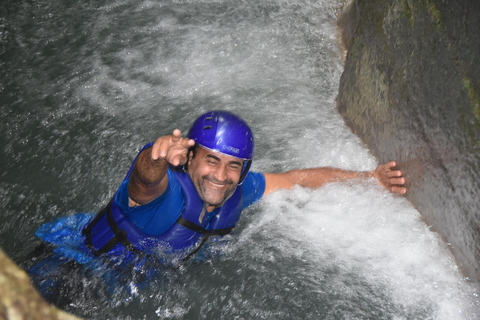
(221, 173)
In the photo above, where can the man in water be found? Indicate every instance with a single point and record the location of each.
(177, 193)
(180, 189)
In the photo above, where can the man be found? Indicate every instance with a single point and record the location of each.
(182, 189)
(177, 193)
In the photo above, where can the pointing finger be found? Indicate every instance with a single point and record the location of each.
(176, 136)
(187, 143)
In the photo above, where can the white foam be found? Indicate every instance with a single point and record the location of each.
(362, 229)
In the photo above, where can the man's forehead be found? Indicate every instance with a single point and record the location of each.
(222, 156)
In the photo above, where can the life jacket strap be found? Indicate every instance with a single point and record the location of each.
(87, 231)
(120, 235)
(206, 234)
(195, 227)
(191, 254)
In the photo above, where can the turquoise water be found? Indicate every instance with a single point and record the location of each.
(85, 85)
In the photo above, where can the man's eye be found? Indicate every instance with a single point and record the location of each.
(235, 167)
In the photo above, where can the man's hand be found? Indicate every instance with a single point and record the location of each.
(390, 178)
(172, 148)
(149, 178)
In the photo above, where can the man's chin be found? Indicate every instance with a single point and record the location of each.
(217, 201)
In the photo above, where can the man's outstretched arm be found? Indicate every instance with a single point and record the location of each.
(390, 178)
(149, 178)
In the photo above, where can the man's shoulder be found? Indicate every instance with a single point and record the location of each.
(255, 176)
(253, 188)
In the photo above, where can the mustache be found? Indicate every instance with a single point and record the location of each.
(228, 181)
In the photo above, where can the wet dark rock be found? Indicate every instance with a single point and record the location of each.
(411, 91)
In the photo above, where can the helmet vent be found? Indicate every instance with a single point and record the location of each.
(207, 127)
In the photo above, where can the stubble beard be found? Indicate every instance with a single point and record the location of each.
(201, 185)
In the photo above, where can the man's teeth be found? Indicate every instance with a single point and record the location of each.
(216, 185)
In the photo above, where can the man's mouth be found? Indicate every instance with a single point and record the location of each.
(218, 184)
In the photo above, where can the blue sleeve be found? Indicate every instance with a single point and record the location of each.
(253, 188)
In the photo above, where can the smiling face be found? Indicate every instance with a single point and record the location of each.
(214, 175)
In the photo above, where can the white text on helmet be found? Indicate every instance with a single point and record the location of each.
(231, 149)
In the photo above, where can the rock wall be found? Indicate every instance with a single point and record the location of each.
(19, 300)
(411, 91)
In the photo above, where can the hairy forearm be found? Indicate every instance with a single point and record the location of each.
(316, 177)
(147, 177)
(387, 174)
(309, 178)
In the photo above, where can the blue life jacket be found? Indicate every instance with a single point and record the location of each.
(112, 231)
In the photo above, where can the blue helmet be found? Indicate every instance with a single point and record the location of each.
(224, 132)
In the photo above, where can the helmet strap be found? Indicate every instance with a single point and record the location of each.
(192, 150)
(246, 168)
